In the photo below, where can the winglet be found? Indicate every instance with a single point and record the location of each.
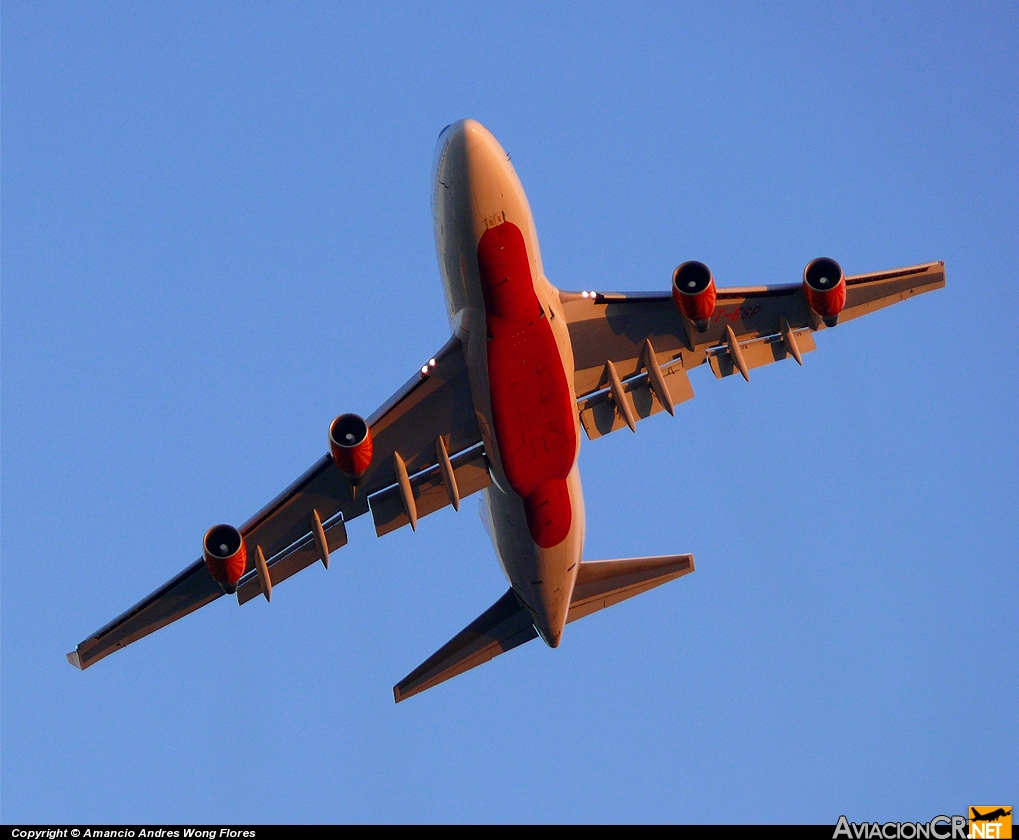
(72, 657)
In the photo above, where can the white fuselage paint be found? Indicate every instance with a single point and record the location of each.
(475, 188)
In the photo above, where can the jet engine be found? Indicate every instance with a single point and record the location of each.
(226, 558)
(824, 285)
(350, 441)
(693, 289)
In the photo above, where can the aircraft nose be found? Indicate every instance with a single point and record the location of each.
(466, 146)
(477, 143)
(459, 131)
(479, 140)
(459, 142)
(463, 126)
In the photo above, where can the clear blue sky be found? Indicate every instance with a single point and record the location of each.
(216, 237)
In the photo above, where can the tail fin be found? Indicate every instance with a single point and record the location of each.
(507, 624)
(603, 583)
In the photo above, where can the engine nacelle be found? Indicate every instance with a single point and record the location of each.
(350, 442)
(824, 286)
(693, 289)
(226, 557)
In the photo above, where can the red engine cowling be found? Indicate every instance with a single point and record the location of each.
(226, 557)
(693, 289)
(824, 286)
(350, 442)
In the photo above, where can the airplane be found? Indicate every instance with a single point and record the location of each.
(499, 409)
(990, 816)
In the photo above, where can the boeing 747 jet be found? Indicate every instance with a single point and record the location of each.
(498, 410)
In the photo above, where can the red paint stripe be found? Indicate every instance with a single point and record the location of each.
(532, 411)
(549, 512)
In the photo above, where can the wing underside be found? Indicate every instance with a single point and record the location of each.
(191, 589)
(632, 351)
(428, 426)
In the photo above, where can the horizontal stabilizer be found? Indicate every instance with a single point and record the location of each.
(507, 623)
(603, 583)
(500, 628)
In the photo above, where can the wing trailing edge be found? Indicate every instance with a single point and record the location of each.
(507, 623)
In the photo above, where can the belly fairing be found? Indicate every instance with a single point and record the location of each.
(532, 410)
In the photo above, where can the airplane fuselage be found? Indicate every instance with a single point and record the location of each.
(520, 362)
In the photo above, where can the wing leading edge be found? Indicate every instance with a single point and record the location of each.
(431, 415)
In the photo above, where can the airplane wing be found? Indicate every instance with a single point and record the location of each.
(632, 351)
(427, 454)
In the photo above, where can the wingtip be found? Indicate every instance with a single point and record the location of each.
(73, 658)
